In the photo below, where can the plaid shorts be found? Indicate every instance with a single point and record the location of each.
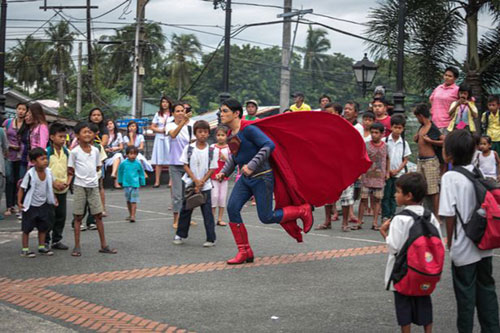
(132, 194)
(347, 197)
(378, 193)
(430, 169)
(86, 195)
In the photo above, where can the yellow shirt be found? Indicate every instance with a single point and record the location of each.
(58, 164)
(303, 107)
(493, 125)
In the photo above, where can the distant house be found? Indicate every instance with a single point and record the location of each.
(13, 97)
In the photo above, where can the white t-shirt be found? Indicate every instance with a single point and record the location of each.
(458, 192)
(395, 152)
(198, 165)
(137, 142)
(85, 166)
(178, 143)
(39, 196)
(116, 141)
(399, 231)
(360, 128)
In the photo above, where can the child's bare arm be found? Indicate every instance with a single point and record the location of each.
(450, 227)
(385, 228)
(207, 175)
(71, 173)
(20, 195)
(191, 175)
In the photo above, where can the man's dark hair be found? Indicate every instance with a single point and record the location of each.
(81, 125)
(22, 103)
(176, 104)
(354, 104)
(398, 119)
(233, 105)
(414, 183)
(493, 99)
(465, 87)
(381, 100)
(453, 70)
(378, 127)
(460, 146)
(336, 106)
(93, 127)
(131, 149)
(36, 153)
(324, 96)
(57, 128)
(368, 114)
(201, 124)
(422, 109)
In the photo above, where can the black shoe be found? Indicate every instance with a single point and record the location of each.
(45, 251)
(59, 246)
(92, 227)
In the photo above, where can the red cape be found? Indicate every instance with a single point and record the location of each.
(317, 156)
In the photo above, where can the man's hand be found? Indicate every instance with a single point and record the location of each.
(220, 176)
(393, 173)
(56, 202)
(246, 171)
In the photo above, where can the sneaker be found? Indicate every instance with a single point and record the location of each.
(28, 254)
(92, 227)
(59, 246)
(83, 227)
(178, 240)
(209, 244)
(45, 251)
(19, 216)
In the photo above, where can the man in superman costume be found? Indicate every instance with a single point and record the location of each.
(306, 158)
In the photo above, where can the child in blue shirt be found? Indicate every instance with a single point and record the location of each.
(131, 177)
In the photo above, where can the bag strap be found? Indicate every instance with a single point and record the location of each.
(190, 131)
(189, 154)
(210, 156)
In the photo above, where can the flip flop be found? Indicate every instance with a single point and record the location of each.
(76, 252)
(222, 224)
(108, 250)
(375, 227)
(323, 227)
(356, 227)
(346, 228)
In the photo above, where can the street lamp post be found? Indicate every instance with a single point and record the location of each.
(364, 71)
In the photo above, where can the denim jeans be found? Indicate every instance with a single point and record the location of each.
(208, 219)
(14, 170)
(261, 188)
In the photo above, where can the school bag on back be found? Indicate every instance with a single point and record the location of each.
(419, 264)
(483, 227)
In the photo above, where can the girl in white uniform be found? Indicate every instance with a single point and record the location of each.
(160, 146)
(114, 150)
(134, 139)
(487, 160)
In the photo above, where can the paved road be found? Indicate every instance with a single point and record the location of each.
(333, 282)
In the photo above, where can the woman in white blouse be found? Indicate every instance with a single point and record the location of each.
(114, 150)
(132, 138)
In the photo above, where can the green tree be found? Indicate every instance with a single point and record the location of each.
(185, 48)
(58, 55)
(314, 51)
(23, 62)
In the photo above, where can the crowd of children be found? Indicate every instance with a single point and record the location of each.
(193, 164)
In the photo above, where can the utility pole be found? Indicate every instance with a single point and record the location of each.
(226, 6)
(79, 81)
(3, 27)
(89, 54)
(285, 58)
(287, 50)
(399, 96)
(137, 84)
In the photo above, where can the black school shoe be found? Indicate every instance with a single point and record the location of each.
(45, 251)
(59, 246)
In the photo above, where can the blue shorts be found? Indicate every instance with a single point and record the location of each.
(132, 194)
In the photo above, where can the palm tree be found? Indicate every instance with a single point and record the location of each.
(24, 62)
(433, 29)
(184, 48)
(314, 51)
(58, 55)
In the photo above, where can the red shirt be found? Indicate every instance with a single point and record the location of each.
(387, 124)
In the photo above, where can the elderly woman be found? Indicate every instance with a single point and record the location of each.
(442, 97)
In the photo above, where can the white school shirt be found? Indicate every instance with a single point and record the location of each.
(395, 152)
(360, 129)
(198, 165)
(85, 166)
(399, 231)
(137, 142)
(458, 192)
(161, 122)
(40, 192)
(178, 143)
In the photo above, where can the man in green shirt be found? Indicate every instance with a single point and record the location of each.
(251, 106)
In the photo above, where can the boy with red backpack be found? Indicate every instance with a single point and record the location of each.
(468, 207)
(416, 254)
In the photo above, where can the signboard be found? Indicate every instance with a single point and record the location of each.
(141, 122)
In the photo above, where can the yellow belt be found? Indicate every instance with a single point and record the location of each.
(261, 173)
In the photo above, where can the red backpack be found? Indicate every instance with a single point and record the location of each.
(483, 227)
(419, 264)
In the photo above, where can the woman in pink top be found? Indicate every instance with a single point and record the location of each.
(38, 129)
(442, 97)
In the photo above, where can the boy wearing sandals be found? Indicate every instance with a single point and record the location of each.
(373, 180)
(33, 198)
(83, 165)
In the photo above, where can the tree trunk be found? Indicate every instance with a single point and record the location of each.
(472, 65)
(60, 90)
(179, 91)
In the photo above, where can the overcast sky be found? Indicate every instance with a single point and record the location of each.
(201, 12)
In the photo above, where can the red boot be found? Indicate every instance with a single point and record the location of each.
(245, 253)
(304, 212)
